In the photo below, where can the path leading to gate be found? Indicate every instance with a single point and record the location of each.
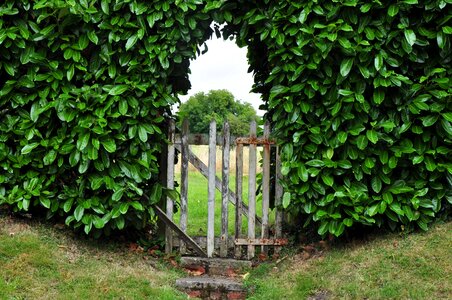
(214, 278)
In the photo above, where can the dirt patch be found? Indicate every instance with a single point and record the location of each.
(12, 226)
(321, 295)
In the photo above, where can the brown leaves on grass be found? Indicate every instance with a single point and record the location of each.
(314, 249)
(262, 257)
(134, 247)
(195, 270)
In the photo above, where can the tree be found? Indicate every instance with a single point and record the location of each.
(220, 105)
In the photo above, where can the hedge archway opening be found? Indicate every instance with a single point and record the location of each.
(224, 66)
(359, 93)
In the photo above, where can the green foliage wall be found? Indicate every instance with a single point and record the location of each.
(360, 94)
(84, 92)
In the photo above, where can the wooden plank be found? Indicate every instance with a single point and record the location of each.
(265, 186)
(170, 185)
(254, 141)
(203, 169)
(187, 239)
(261, 242)
(225, 191)
(202, 242)
(184, 183)
(211, 190)
(252, 191)
(203, 139)
(238, 194)
(278, 200)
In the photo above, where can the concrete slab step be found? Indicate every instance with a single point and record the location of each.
(216, 266)
(215, 288)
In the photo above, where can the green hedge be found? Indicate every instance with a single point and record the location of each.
(85, 89)
(359, 93)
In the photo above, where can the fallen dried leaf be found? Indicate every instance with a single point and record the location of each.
(309, 248)
(230, 272)
(195, 270)
(173, 262)
(324, 245)
(305, 255)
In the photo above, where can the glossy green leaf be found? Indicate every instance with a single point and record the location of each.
(440, 39)
(373, 210)
(78, 213)
(376, 184)
(379, 96)
(378, 62)
(83, 141)
(118, 89)
(328, 179)
(393, 10)
(410, 36)
(372, 136)
(117, 195)
(68, 205)
(323, 229)
(387, 197)
(105, 6)
(142, 134)
(361, 142)
(45, 202)
(93, 37)
(109, 145)
(346, 66)
(429, 120)
(50, 157)
(430, 163)
(315, 163)
(286, 199)
(28, 148)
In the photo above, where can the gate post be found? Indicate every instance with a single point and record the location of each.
(211, 189)
(225, 191)
(265, 185)
(184, 183)
(252, 190)
(170, 185)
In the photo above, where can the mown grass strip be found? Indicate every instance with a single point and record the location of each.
(38, 262)
(417, 266)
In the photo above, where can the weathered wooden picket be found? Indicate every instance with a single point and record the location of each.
(223, 242)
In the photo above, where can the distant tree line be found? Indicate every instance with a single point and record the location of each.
(218, 105)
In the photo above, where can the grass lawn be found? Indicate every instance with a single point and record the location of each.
(40, 262)
(416, 266)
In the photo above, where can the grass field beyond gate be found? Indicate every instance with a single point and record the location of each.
(197, 193)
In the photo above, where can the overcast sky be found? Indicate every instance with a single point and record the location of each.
(224, 66)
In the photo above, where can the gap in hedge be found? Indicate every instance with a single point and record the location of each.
(223, 66)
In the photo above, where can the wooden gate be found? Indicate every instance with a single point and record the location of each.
(224, 245)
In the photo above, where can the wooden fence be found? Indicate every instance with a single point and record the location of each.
(206, 246)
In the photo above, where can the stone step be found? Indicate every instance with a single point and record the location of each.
(214, 288)
(216, 266)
